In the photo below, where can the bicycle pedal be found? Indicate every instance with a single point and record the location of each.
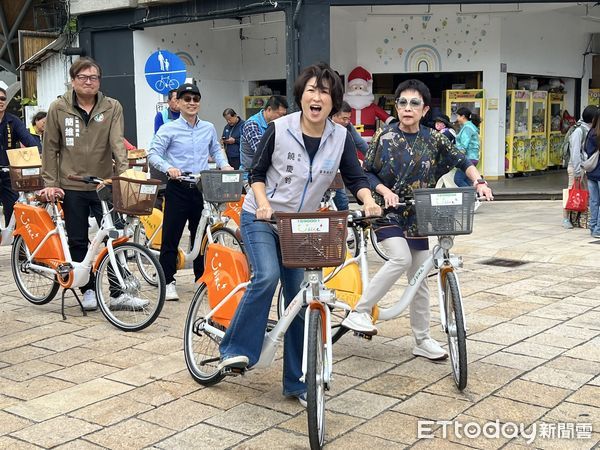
(368, 337)
(233, 371)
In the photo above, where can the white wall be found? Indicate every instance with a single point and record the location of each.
(220, 62)
(53, 78)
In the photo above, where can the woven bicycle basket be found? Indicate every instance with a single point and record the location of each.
(312, 240)
(444, 212)
(26, 179)
(134, 197)
(221, 186)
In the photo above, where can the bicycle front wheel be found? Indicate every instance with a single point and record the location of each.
(457, 337)
(136, 303)
(352, 241)
(315, 380)
(377, 246)
(37, 287)
(200, 344)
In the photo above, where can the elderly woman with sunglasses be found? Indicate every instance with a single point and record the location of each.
(402, 157)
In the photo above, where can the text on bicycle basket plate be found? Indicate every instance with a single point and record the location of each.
(446, 199)
(310, 225)
(230, 178)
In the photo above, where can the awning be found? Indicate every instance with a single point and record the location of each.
(40, 56)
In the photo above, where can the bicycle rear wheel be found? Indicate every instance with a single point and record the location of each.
(315, 380)
(227, 237)
(200, 345)
(457, 337)
(353, 241)
(377, 246)
(37, 287)
(138, 302)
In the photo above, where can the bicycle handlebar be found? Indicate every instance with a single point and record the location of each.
(86, 179)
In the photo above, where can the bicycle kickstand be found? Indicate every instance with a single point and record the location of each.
(233, 371)
(62, 307)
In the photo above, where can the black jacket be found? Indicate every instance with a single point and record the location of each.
(13, 132)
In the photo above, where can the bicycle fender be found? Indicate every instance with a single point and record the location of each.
(104, 251)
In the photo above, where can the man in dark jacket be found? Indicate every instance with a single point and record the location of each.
(231, 137)
(12, 132)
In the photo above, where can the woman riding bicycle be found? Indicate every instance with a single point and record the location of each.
(402, 157)
(296, 161)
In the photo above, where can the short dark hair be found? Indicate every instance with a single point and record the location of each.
(321, 72)
(83, 63)
(588, 113)
(38, 116)
(229, 112)
(346, 108)
(3, 91)
(464, 111)
(172, 93)
(414, 85)
(276, 102)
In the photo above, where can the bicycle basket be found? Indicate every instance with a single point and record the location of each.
(337, 182)
(138, 160)
(134, 197)
(26, 179)
(221, 186)
(312, 240)
(444, 211)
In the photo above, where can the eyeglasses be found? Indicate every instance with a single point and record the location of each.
(2, 99)
(84, 78)
(191, 99)
(413, 102)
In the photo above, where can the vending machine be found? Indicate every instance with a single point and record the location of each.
(594, 97)
(538, 124)
(474, 99)
(518, 132)
(556, 106)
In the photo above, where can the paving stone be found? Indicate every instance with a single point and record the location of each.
(35, 387)
(236, 419)
(551, 340)
(126, 358)
(67, 400)
(162, 345)
(160, 392)
(225, 395)
(392, 426)
(438, 444)
(8, 443)
(149, 371)
(427, 370)
(513, 361)
(27, 370)
(72, 356)
(180, 414)
(432, 407)
(130, 434)
(398, 386)
(62, 343)
(361, 367)
(589, 351)
(468, 431)
(504, 333)
(111, 411)
(536, 350)
(557, 377)
(589, 319)
(55, 431)
(361, 404)
(274, 439)
(506, 410)
(359, 441)
(201, 436)
(86, 371)
(79, 444)
(534, 393)
(587, 395)
(336, 425)
(575, 365)
(10, 423)
(276, 401)
(574, 412)
(22, 354)
(25, 337)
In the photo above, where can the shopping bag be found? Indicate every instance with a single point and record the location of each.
(24, 157)
(578, 198)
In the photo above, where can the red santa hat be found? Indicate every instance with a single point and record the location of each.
(359, 75)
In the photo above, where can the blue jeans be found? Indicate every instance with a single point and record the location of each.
(246, 332)
(594, 189)
(460, 177)
(341, 199)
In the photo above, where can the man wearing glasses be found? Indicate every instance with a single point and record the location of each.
(84, 132)
(12, 132)
(183, 145)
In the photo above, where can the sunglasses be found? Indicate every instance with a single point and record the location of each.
(191, 99)
(84, 78)
(2, 98)
(413, 102)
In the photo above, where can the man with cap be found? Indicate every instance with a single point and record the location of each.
(183, 145)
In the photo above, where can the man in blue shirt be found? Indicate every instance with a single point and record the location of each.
(256, 125)
(231, 137)
(168, 114)
(183, 145)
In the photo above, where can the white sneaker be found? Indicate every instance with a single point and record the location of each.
(361, 322)
(89, 302)
(430, 349)
(171, 292)
(567, 225)
(127, 302)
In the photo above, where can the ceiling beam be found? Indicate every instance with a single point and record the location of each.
(10, 35)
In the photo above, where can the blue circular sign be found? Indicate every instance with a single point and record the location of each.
(164, 71)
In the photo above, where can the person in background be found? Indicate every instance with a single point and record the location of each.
(401, 158)
(577, 139)
(292, 144)
(84, 132)
(36, 129)
(231, 137)
(170, 113)
(183, 145)
(467, 140)
(342, 117)
(592, 145)
(256, 125)
(12, 134)
(443, 125)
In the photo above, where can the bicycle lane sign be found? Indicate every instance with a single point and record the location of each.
(164, 71)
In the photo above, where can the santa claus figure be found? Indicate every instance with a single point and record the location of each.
(359, 95)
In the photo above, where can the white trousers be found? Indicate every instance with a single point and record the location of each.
(401, 259)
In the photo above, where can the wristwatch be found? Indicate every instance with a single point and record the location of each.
(479, 181)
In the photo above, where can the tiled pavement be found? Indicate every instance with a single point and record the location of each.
(534, 351)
